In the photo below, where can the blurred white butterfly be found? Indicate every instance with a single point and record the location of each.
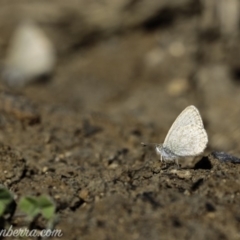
(186, 137)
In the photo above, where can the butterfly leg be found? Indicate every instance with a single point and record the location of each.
(162, 160)
(176, 161)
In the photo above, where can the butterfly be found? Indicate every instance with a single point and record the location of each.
(186, 137)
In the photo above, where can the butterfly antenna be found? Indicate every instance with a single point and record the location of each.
(148, 144)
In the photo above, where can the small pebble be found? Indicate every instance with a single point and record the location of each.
(177, 49)
(184, 174)
(113, 165)
(83, 194)
(177, 87)
(31, 54)
(44, 169)
(225, 157)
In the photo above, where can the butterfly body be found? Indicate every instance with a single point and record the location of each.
(165, 154)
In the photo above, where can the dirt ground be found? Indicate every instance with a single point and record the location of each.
(125, 70)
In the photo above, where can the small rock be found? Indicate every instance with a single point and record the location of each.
(225, 157)
(177, 49)
(45, 169)
(83, 194)
(177, 87)
(113, 165)
(154, 57)
(184, 174)
(30, 55)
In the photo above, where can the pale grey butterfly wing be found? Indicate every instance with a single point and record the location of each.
(187, 136)
(190, 115)
(189, 140)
